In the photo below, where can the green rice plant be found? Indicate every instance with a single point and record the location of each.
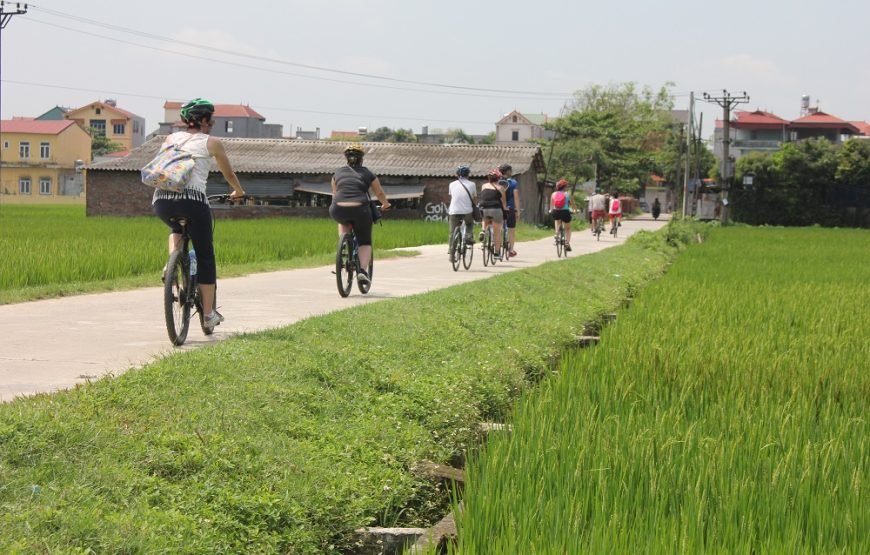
(725, 411)
(51, 250)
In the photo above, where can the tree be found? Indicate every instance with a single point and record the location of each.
(101, 145)
(613, 134)
(387, 135)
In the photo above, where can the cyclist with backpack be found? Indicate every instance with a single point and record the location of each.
(615, 212)
(512, 202)
(561, 206)
(494, 206)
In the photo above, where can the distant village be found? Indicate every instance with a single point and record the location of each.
(88, 154)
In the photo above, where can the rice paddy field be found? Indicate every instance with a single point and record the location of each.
(56, 250)
(725, 411)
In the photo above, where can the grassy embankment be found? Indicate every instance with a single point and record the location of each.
(288, 440)
(725, 412)
(51, 251)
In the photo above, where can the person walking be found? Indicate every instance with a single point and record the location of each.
(462, 192)
(350, 203)
(191, 202)
(512, 198)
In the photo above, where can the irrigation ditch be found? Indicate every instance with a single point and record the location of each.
(438, 537)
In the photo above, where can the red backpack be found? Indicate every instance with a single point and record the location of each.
(559, 200)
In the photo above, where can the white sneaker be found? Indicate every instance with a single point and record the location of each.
(363, 278)
(212, 320)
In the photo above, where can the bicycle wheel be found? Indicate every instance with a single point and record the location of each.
(598, 226)
(615, 227)
(176, 303)
(486, 247)
(467, 254)
(456, 249)
(344, 265)
(560, 242)
(364, 287)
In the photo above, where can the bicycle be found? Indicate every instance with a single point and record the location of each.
(614, 228)
(460, 247)
(505, 243)
(561, 242)
(599, 227)
(347, 264)
(181, 295)
(486, 247)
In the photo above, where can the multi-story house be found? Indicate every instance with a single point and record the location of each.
(520, 128)
(41, 160)
(116, 124)
(231, 120)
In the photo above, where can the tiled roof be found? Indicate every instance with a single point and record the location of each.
(104, 106)
(36, 126)
(537, 119)
(862, 126)
(319, 157)
(758, 118)
(823, 120)
(222, 110)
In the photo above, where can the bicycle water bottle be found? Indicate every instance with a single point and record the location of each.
(192, 255)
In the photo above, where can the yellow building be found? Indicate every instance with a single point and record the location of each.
(40, 161)
(116, 124)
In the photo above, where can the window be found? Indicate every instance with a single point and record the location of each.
(24, 150)
(44, 186)
(5, 144)
(99, 111)
(118, 128)
(24, 185)
(228, 126)
(514, 119)
(44, 151)
(99, 127)
(135, 126)
(515, 135)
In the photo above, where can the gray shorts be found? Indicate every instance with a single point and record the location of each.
(495, 213)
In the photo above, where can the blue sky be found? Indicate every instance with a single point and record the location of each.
(507, 55)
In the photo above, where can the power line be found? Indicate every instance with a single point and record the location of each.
(296, 64)
(256, 106)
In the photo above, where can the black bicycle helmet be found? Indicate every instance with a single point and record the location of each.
(196, 109)
(463, 171)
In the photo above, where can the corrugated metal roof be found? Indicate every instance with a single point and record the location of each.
(320, 157)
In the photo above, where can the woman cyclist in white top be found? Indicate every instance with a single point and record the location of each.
(192, 204)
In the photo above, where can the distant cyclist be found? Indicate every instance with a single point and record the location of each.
(561, 206)
(493, 204)
(350, 203)
(512, 198)
(192, 204)
(462, 192)
(615, 212)
(598, 209)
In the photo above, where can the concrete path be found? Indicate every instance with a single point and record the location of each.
(58, 343)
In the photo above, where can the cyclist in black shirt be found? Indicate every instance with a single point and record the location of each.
(350, 203)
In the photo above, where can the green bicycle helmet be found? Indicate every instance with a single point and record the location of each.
(196, 109)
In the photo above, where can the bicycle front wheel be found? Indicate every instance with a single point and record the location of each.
(177, 297)
(456, 249)
(344, 265)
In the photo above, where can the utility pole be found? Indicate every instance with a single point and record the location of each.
(690, 128)
(6, 16)
(727, 101)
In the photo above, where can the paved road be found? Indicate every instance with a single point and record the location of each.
(57, 343)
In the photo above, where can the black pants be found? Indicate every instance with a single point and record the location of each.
(200, 229)
(359, 216)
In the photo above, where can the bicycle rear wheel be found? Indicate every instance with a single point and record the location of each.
(176, 300)
(560, 241)
(344, 265)
(486, 247)
(364, 287)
